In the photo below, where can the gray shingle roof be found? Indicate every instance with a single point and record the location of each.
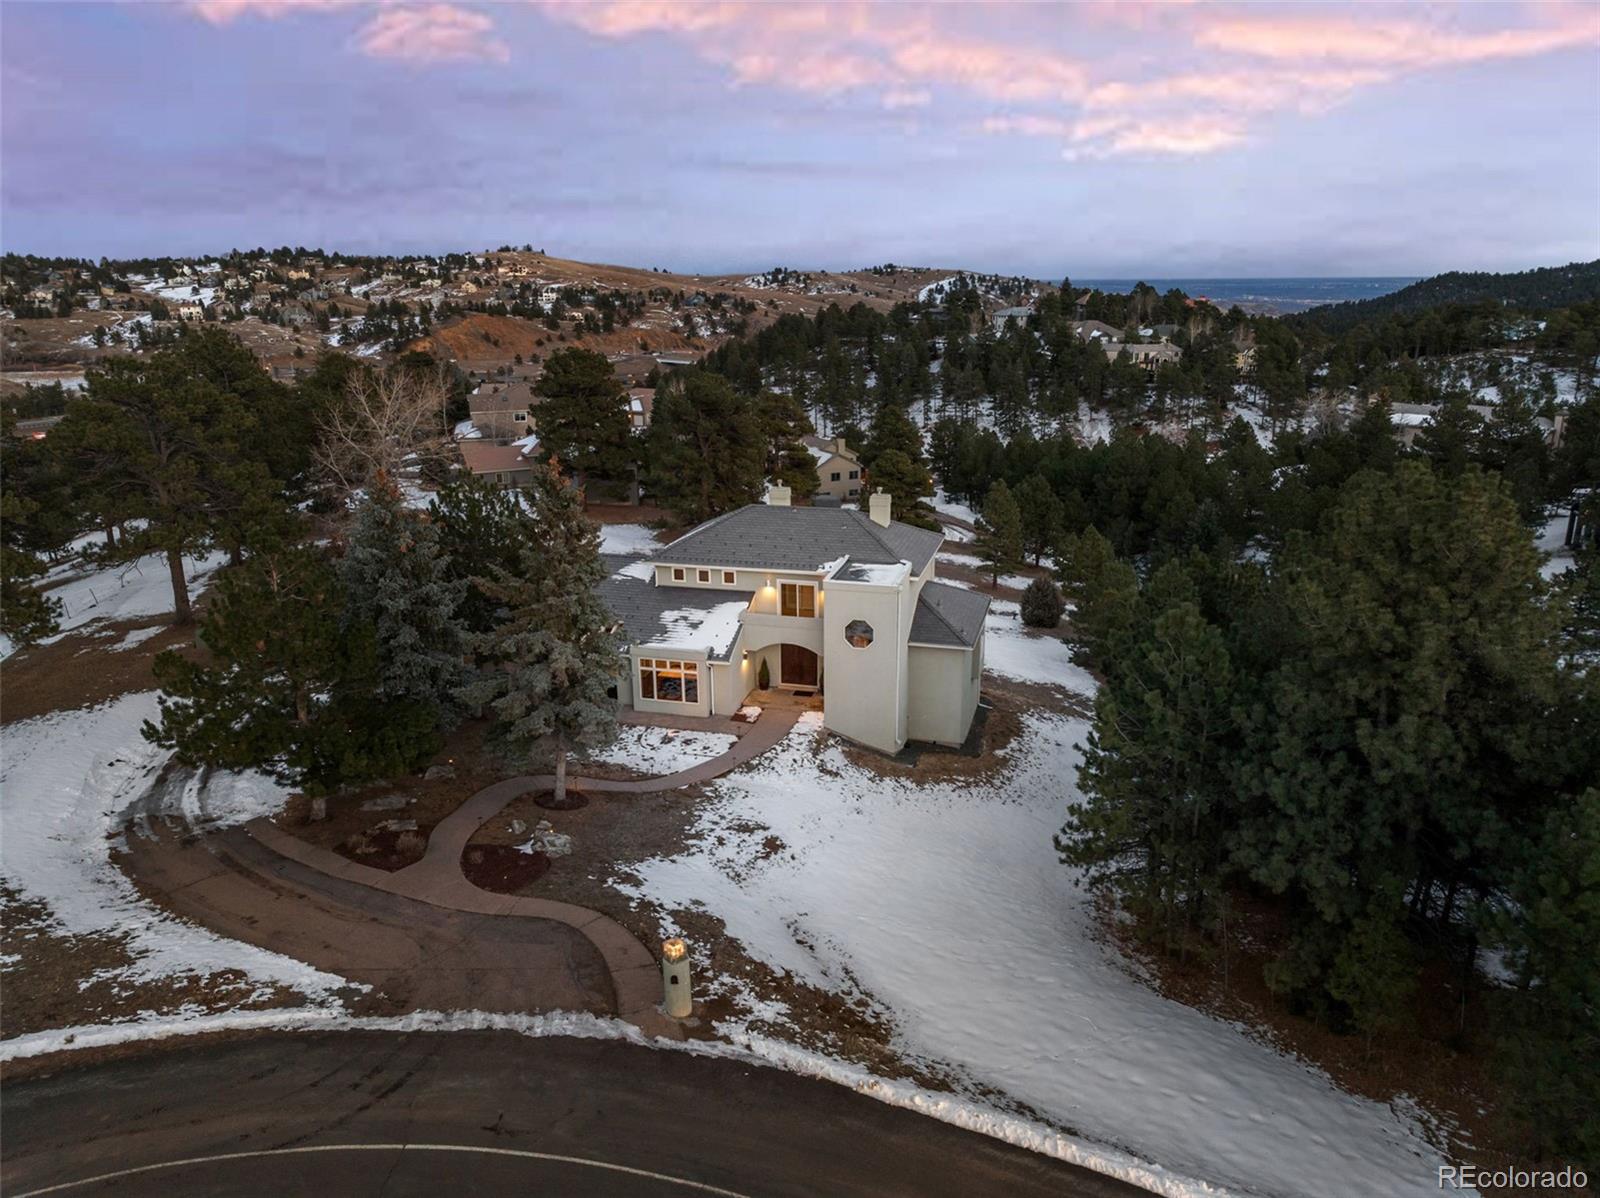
(948, 615)
(759, 537)
(643, 606)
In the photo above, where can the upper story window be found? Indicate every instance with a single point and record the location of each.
(519, 417)
(835, 476)
(855, 474)
(797, 599)
(729, 578)
(702, 575)
(858, 633)
(677, 574)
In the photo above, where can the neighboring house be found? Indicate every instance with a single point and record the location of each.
(500, 411)
(1095, 330)
(641, 402)
(840, 602)
(191, 312)
(1148, 355)
(838, 468)
(1409, 418)
(507, 465)
(1000, 318)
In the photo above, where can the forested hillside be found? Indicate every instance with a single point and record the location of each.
(1528, 290)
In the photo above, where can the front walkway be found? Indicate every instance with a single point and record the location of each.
(437, 878)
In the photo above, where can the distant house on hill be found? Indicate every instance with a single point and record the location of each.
(1409, 419)
(1005, 315)
(1149, 355)
(501, 411)
(838, 468)
(1095, 330)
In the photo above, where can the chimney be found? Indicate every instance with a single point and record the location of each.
(839, 445)
(778, 496)
(878, 506)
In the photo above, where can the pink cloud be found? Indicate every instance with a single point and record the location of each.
(1177, 78)
(431, 33)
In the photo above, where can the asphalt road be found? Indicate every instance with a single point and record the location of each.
(367, 1113)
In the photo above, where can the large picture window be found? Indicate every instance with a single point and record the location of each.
(669, 681)
(797, 599)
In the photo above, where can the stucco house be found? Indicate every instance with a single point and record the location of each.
(838, 468)
(840, 603)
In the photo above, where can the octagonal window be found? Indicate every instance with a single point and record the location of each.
(858, 633)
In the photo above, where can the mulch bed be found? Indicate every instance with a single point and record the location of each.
(385, 848)
(502, 868)
(572, 801)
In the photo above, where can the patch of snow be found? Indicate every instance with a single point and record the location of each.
(711, 628)
(657, 751)
(1550, 541)
(946, 506)
(1015, 651)
(465, 430)
(142, 587)
(67, 779)
(628, 538)
(137, 636)
(889, 894)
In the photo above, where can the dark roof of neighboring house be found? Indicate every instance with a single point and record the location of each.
(762, 537)
(482, 457)
(642, 607)
(948, 615)
(502, 397)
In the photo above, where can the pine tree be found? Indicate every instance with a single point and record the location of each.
(1041, 604)
(288, 686)
(481, 528)
(583, 414)
(705, 446)
(1155, 779)
(1551, 1040)
(1042, 516)
(999, 542)
(397, 579)
(556, 653)
(784, 424)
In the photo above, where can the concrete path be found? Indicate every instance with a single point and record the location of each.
(438, 881)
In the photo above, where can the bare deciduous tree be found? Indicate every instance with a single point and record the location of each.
(391, 424)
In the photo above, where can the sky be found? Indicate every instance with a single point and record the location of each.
(1097, 140)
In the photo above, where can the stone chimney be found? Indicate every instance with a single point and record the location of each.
(878, 507)
(778, 496)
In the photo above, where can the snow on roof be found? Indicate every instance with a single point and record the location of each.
(713, 628)
(875, 573)
(467, 431)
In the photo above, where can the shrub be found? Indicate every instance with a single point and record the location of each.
(764, 676)
(1041, 604)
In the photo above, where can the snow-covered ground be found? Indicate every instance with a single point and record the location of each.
(972, 562)
(135, 590)
(1550, 541)
(944, 906)
(628, 539)
(946, 506)
(65, 780)
(657, 751)
(1014, 651)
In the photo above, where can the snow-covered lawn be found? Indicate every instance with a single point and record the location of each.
(64, 781)
(656, 751)
(946, 506)
(140, 588)
(946, 907)
(629, 539)
(968, 561)
(1550, 541)
(1015, 651)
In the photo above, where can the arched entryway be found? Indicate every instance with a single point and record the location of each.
(798, 667)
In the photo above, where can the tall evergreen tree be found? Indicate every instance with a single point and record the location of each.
(705, 446)
(1042, 516)
(582, 415)
(288, 686)
(550, 663)
(397, 580)
(999, 542)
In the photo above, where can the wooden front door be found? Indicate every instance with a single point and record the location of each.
(797, 666)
